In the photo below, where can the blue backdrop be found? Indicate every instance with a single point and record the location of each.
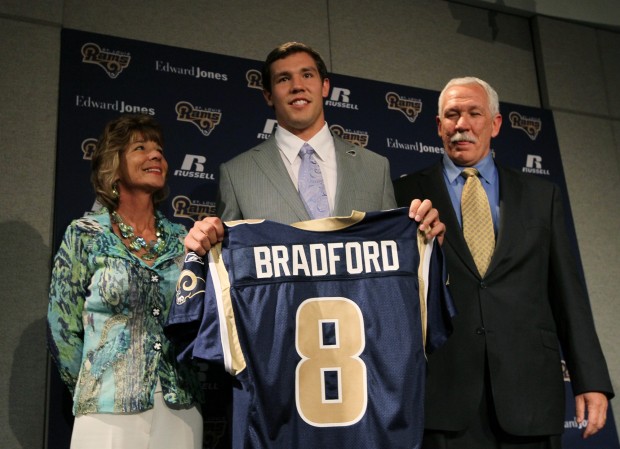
(212, 108)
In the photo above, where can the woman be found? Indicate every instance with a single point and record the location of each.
(113, 279)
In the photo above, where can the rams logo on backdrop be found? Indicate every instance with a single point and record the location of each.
(193, 166)
(205, 119)
(214, 430)
(113, 62)
(565, 372)
(359, 138)
(530, 125)
(184, 207)
(254, 78)
(411, 107)
(340, 98)
(268, 129)
(88, 148)
(533, 164)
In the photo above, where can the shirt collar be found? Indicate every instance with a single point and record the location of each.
(486, 167)
(290, 144)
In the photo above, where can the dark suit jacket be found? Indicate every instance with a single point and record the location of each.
(256, 184)
(531, 299)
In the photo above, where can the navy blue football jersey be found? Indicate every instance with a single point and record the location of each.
(324, 323)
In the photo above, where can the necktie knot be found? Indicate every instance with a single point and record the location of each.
(306, 150)
(311, 186)
(469, 172)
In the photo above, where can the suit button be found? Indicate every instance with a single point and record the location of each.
(483, 284)
(480, 331)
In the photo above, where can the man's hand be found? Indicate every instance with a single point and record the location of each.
(204, 234)
(595, 404)
(424, 213)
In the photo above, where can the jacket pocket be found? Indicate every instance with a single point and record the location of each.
(550, 340)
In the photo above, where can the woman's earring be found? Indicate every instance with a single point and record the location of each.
(115, 193)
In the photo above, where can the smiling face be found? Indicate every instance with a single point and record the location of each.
(466, 124)
(297, 93)
(142, 166)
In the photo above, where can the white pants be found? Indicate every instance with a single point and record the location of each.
(158, 428)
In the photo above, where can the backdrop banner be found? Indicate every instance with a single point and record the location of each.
(212, 108)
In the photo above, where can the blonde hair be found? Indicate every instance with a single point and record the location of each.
(106, 159)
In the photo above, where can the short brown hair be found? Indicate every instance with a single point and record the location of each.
(287, 49)
(106, 159)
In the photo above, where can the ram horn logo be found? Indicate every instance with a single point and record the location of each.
(112, 62)
(410, 107)
(531, 126)
(254, 78)
(565, 372)
(186, 208)
(214, 431)
(188, 286)
(205, 120)
(355, 137)
(88, 147)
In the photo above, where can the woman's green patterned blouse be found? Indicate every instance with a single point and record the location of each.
(105, 320)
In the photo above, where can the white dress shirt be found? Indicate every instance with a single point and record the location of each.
(325, 155)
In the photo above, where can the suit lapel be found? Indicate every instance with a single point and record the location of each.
(269, 161)
(348, 169)
(510, 210)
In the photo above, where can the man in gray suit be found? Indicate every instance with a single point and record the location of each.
(263, 182)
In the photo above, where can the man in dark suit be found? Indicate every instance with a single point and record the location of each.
(263, 182)
(498, 382)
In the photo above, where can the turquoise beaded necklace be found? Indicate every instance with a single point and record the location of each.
(136, 243)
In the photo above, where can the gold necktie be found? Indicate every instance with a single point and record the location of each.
(477, 221)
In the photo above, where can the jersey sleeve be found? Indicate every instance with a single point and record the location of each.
(187, 309)
(201, 322)
(440, 309)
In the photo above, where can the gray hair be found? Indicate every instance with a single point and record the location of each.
(491, 94)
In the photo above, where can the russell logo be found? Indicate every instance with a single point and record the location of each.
(533, 164)
(340, 98)
(268, 129)
(193, 166)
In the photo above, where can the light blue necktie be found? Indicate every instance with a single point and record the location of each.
(311, 186)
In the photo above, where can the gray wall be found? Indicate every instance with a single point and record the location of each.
(569, 68)
(604, 13)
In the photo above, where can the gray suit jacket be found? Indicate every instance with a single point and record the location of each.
(256, 184)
